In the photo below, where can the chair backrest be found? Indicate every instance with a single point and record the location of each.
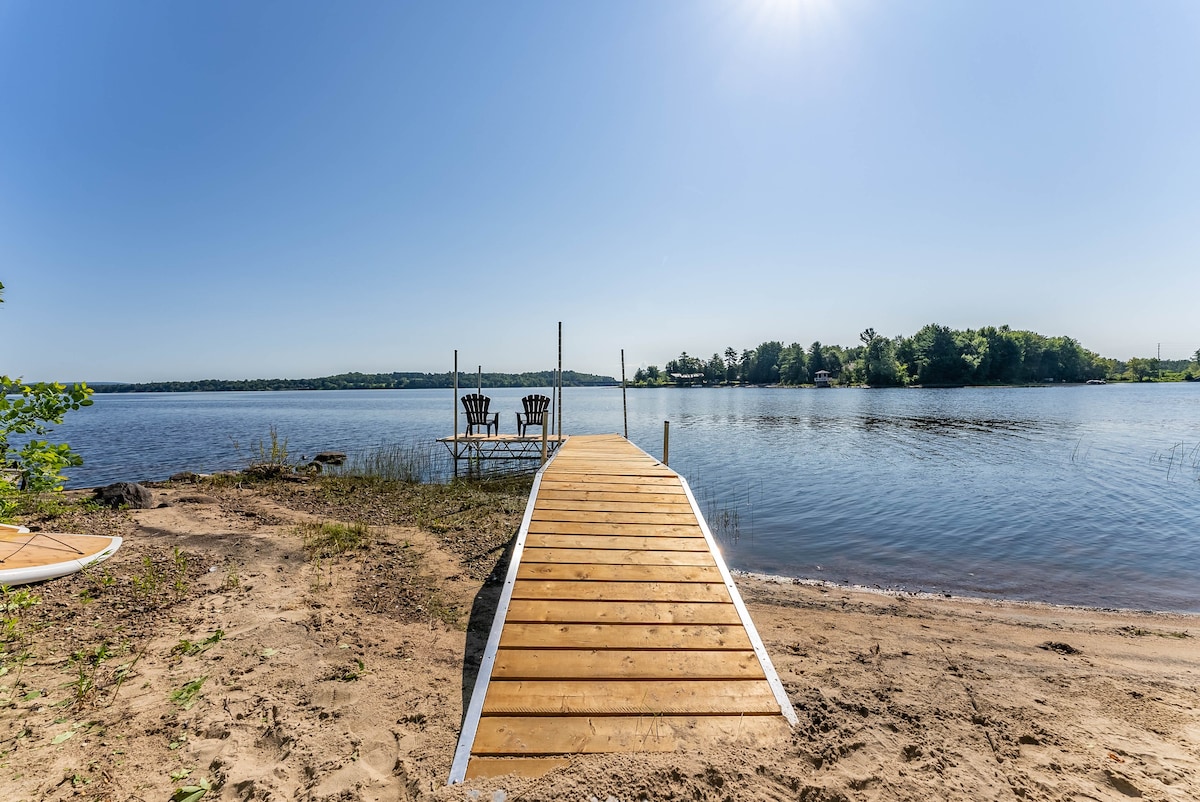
(535, 407)
(476, 406)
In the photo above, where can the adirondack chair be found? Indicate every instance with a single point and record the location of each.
(534, 414)
(478, 415)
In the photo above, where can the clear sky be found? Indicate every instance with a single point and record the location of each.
(293, 189)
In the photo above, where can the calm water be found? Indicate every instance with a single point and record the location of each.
(1076, 495)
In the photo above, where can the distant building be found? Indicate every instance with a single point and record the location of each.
(822, 378)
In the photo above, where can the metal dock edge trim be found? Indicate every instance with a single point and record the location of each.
(466, 739)
(764, 659)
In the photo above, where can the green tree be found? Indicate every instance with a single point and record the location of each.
(764, 367)
(731, 362)
(793, 365)
(879, 365)
(1138, 369)
(714, 370)
(744, 365)
(816, 360)
(937, 356)
(29, 410)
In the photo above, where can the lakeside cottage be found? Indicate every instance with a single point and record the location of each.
(821, 378)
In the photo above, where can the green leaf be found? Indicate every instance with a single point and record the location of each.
(63, 736)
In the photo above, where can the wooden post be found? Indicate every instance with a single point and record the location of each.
(666, 441)
(479, 381)
(624, 402)
(545, 433)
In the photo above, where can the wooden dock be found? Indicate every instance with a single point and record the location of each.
(619, 628)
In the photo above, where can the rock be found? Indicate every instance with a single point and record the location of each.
(330, 458)
(185, 476)
(125, 494)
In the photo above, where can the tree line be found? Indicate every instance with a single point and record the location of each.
(934, 356)
(364, 381)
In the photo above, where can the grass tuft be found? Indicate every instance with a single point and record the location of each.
(323, 540)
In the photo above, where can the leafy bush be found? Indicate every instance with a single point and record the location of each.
(30, 409)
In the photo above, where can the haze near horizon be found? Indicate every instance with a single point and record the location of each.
(232, 191)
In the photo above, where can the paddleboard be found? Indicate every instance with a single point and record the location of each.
(37, 556)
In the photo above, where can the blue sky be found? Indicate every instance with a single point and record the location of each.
(294, 189)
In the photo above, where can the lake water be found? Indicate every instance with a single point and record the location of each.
(1076, 495)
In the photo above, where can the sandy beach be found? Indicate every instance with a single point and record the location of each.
(225, 650)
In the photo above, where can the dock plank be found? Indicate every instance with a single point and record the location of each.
(619, 627)
(540, 735)
(619, 573)
(626, 612)
(680, 505)
(623, 636)
(594, 590)
(622, 529)
(619, 557)
(606, 663)
(588, 516)
(640, 542)
(629, 697)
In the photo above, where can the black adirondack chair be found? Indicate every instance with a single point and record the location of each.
(534, 414)
(478, 415)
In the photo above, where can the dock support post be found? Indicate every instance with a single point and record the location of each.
(558, 417)
(624, 402)
(454, 402)
(666, 441)
(545, 432)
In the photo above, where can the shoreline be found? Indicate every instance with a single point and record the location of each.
(224, 643)
(942, 596)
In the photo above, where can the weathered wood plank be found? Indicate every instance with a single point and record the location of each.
(618, 664)
(629, 697)
(623, 636)
(592, 590)
(621, 612)
(541, 735)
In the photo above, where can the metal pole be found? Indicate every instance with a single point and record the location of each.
(454, 401)
(479, 381)
(545, 433)
(666, 441)
(558, 421)
(624, 402)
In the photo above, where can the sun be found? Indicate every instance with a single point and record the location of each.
(790, 13)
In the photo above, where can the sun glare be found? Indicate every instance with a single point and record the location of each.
(790, 14)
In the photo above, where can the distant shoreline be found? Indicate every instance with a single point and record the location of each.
(362, 381)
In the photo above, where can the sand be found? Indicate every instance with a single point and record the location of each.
(212, 652)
